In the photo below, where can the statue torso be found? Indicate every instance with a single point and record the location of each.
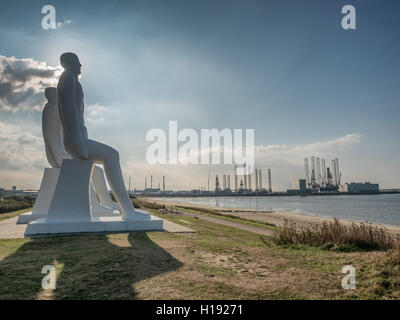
(71, 107)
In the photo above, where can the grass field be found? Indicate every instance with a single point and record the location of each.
(216, 262)
(8, 215)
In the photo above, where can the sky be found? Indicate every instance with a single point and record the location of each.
(284, 68)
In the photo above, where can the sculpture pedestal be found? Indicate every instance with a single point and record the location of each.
(42, 203)
(70, 202)
(69, 210)
(101, 224)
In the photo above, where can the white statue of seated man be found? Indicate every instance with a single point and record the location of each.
(55, 152)
(75, 136)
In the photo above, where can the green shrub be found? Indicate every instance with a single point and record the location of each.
(13, 203)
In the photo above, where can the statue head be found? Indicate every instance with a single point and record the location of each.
(70, 62)
(51, 94)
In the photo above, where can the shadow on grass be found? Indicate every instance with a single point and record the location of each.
(88, 266)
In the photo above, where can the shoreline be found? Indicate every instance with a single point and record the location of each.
(269, 216)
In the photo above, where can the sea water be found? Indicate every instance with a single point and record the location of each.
(379, 208)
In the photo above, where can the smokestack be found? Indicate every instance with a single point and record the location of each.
(163, 183)
(229, 181)
(335, 171)
(151, 181)
(269, 181)
(236, 179)
(224, 181)
(323, 171)
(249, 181)
(259, 179)
(256, 175)
(306, 171)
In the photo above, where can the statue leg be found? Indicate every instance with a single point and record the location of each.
(100, 186)
(109, 158)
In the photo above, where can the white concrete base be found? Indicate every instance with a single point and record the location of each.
(70, 201)
(46, 191)
(9, 229)
(100, 224)
(42, 203)
(105, 213)
(25, 218)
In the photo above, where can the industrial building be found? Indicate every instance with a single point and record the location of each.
(303, 186)
(359, 187)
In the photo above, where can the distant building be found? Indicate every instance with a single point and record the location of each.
(14, 188)
(303, 185)
(292, 191)
(152, 190)
(359, 187)
(217, 188)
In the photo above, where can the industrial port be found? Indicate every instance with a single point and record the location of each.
(319, 179)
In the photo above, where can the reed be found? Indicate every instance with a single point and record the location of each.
(337, 236)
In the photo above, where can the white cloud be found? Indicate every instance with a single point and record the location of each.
(96, 112)
(21, 150)
(22, 83)
(98, 115)
(285, 161)
(295, 154)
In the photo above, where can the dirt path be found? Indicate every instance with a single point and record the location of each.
(241, 226)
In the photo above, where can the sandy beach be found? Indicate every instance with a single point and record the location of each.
(272, 217)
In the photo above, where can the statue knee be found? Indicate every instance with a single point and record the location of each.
(114, 155)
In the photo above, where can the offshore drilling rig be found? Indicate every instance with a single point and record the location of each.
(322, 178)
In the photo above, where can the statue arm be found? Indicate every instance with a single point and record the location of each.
(84, 126)
(47, 137)
(52, 136)
(51, 159)
(75, 142)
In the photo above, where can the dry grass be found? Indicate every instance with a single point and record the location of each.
(337, 236)
(393, 256)
(4, 216)
(216, 262)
